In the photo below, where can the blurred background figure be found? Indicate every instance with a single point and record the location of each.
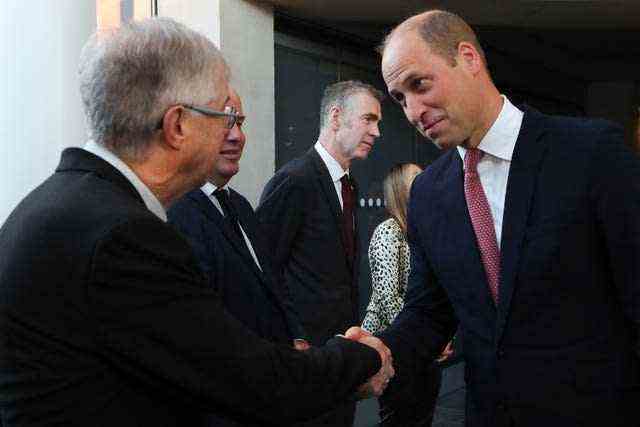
(390, 265)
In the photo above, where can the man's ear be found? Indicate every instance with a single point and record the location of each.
(469, 57)
(173, 127)
(334, 117)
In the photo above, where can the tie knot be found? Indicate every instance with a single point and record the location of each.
(471, 159)
(220, 192)
(345, 180)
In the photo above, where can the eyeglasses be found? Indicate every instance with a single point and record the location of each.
(230, 113)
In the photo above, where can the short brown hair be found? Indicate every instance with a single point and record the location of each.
(442, 31)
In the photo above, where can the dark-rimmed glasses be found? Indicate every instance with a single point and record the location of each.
(230, 113)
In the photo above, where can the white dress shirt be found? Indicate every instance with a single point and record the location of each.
(149, 199)
(335, 170)
(498, 145)
(208, 189)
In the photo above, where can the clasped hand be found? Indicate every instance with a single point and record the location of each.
(377, 383)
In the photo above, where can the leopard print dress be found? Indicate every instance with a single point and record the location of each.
(389, 262)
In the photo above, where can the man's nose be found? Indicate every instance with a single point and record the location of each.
(376, 130)
(235, 134)
(413, 109)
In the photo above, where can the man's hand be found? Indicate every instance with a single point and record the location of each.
(301, 344)
(376, 384)
(355, 333)
(446, 353)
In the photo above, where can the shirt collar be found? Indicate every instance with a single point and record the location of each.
(500, 140)
(335, 170)
(208, 188)
(149, 199)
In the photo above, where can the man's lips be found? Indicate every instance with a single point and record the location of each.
(431, 123)
(231, 154)
(368, 144)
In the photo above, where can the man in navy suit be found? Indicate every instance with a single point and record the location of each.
(525, 234)
(223, 231)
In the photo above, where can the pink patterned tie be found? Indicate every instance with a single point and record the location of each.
(482, 220)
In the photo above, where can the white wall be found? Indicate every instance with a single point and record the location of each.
(247, 44)
(200, 15)
(40, 112)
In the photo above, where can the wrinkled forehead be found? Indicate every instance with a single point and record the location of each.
(400, 51)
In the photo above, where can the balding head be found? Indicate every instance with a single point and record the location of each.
(442, 31)
(435, 70)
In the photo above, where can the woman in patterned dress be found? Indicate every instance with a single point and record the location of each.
(389, 259)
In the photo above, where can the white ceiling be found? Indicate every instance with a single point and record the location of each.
(534, 14)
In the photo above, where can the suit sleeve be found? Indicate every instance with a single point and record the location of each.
(615, 189)
(427, 321)
(160, 323)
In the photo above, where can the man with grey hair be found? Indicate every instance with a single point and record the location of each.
(308, 211)
(105, 316)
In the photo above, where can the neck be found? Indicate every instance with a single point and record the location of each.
(219, 181)
(330, 143)
(161, 179)
(488, 114)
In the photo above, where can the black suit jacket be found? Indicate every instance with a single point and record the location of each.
(106, 319)
(559, 347)
(249, 292)
(301, 215)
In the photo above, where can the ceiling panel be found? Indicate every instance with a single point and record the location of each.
(557, 14)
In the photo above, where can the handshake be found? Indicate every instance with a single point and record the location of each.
(376, 384)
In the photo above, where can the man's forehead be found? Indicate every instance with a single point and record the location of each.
(363, 101)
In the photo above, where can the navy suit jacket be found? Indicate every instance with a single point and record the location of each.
(559, 347)
(248, 292)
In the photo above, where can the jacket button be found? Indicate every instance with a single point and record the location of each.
(500, 353)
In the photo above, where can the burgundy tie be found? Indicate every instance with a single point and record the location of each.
(482, 220)
(348, 203)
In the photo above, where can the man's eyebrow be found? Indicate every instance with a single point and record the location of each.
(371, 116)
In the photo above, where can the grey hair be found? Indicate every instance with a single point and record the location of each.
(338, 95)
(130, 76)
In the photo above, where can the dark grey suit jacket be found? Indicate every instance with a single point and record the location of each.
(106, 319)
(301, 215)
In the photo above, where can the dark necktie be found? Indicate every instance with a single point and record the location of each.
(229, 212)
(482, 220)
(348, 203)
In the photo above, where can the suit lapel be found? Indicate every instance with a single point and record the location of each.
(219, 220)
(464, 237)
(249, 227)
(525, 165)
(356, 236)
(329, 191)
